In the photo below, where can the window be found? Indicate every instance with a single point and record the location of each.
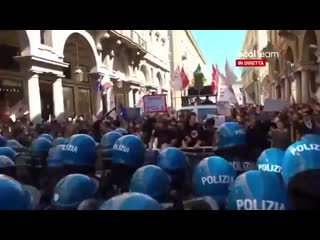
(68, 101)
(84, 101)
(42, 37)
(46, 37)
(163, 40)
(7, 60)
(152, 77)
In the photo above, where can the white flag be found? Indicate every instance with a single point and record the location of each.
(230, 76)
(176, 81)
(105, 81)
(224, 93)
(248, 99)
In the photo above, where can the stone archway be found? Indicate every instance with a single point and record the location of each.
(59, 39)
(79, 97)
(77, 50)
(160, 81)
(142, 77)
(13, 87)
(309, 48)
(13, 43)
(146, 74)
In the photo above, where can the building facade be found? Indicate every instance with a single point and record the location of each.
(295, 73)
(255, 79)
(184, 53)
(41, 69)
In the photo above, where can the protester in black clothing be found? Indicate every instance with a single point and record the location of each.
(193, 132)
(308, 124)
(96, 131)
(207, 101)
(208, 132)
(147, 127)
(163, 135)
(256, 139)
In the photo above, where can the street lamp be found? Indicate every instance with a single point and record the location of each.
(78, 71)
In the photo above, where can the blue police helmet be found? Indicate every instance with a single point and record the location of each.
(109, 139)
(128, 150)
(13, 195)
(9, 152)
(41, 145)
(270, 160)
(299, 157)
(151, 180)
(70, 191)
(172, 160)
(47, 136)
(131, 201)
(14, 144)
(213, 177)
(122, 131)
(258, 190)
(59, 141)
(3, 141)
(314, 138)
(230, 134)
(80, 151)
(6, 162)
(55, 156)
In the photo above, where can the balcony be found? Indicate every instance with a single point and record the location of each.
(133, 37)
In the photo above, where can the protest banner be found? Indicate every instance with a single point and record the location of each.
(224, 109)
(155, 103)
(275, 105)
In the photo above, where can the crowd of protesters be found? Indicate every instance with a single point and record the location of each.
(262, 132)
(263, 129)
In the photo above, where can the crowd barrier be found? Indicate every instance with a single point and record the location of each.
(195, 155)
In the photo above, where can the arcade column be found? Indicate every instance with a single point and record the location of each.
(58, 99)
(131, 96)
(297, 78)
(304, 86)
(283, 90)
(287, 87)
(34, 98)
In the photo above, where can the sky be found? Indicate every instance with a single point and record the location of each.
(219, 45)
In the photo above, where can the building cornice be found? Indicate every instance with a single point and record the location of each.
(194, 43)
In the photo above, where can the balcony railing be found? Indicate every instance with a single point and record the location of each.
(134, 37)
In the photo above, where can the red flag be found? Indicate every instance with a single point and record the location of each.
(185, 79)
(214, 79)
